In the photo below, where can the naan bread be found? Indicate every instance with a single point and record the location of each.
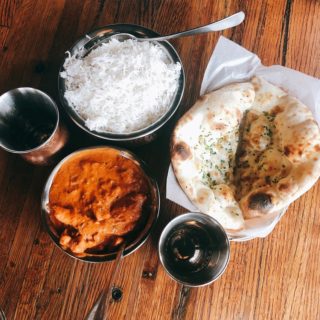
(204, 145)
(245, 151)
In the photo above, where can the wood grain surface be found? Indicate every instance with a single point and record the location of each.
(273, 278)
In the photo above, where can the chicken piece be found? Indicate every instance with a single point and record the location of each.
(124, 215)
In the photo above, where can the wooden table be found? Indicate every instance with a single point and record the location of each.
(273, 278)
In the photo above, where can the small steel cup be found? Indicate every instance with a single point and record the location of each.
(194, 249)
(30, 126)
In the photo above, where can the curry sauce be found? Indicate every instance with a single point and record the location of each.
(96, 198)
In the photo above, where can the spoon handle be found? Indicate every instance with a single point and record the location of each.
(226, 23)
(100, 308)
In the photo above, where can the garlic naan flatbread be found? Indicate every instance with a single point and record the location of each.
(244, 151)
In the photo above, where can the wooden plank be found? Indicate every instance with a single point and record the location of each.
(4, 31)
(28, 43)
(34, 276)
(7, 9)
(263, 28)
(127, 279)
(299, 282)
(14, 194)
(303, 46)
(17, 259)
(75, 19)
(51, 298)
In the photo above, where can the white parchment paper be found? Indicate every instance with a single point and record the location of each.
(232, 63)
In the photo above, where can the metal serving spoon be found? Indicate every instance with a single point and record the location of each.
(2, 315)
(100, 309)
(223, 24)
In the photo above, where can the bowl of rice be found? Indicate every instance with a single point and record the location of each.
(121, 90)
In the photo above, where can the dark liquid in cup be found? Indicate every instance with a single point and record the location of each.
(190, 248)
(34, 136)
(26, 132)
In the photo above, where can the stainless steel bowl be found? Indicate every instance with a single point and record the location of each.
(134, 240)
(194, 249)
(91, 41)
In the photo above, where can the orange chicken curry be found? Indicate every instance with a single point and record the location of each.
(96, 199)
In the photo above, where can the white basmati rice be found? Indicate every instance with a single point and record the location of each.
(121, 87)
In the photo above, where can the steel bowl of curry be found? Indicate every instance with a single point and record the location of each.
(97, 199)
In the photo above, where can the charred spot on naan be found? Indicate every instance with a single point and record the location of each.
(293, 152)
(284, 186)
(276, 110)
(181, 151)
(260, 201)
(288, 150)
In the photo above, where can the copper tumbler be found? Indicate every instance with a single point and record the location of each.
(30, 125)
